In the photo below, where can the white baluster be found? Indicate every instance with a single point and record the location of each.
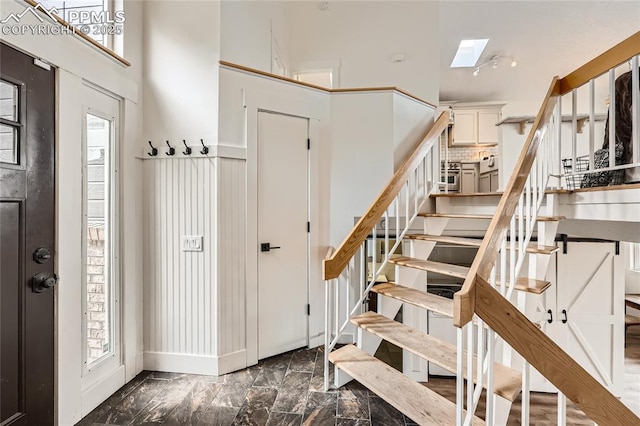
(526, 396)
(612, 117)
(635, 111)
(460, 375)
(574, 128)
(592, 122)
(562, 409)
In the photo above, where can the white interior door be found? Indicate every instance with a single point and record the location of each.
(282, 223)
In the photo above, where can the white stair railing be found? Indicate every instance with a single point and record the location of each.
(577, 156)
(414, 182)
(512, 257)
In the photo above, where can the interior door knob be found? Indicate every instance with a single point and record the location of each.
(43, 281)
(267, 247)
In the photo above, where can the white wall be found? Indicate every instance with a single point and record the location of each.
(181, 103)
(180, 71)
(361, 155)
(411, 120)
(247, 32)
(363, 35)
(79, 62)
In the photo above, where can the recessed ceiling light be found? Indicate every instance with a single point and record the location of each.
(469, 52)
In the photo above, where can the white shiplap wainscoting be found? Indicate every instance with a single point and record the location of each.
(183, 289)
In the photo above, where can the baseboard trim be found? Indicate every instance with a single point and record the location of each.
(195, 364)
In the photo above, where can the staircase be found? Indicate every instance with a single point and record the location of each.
(489, 312)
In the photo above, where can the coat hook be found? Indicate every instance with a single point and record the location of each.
(205, 149)
(154, 151)
(188, 151)
(172, 150)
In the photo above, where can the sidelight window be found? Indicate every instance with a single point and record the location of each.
(100, 290)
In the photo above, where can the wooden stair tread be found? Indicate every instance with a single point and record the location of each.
(507, 381)
(629, 320)
(415, 297)
(411, 398)
(447, 239)
(531, 285)
(485, 216)
(431, 266)
(632, 300)
(536, 249)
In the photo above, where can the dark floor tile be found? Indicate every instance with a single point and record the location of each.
(231, 395)
(354, 408)
(246, 376)
(133, 384)
(190, 409)
(321, 409)
(277, 362)
(129, 407)
(304, 360)
(317, 380)
(284, 419)
(218, 416)
(256, 408)
(352, 422)
(175, 390)
(154, 413)
(270, 378)
(165, 375)
(292, 394)
(383, 414)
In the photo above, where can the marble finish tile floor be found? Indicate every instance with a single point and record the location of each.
(287, 390)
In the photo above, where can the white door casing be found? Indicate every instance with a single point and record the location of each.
(283, 213)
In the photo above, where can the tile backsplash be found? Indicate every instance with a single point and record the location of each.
(470, 153)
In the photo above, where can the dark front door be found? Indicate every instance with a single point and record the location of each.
(27, 111)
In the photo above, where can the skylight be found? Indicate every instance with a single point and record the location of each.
(468, 53)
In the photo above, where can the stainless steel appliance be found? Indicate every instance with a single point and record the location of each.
(452, 177)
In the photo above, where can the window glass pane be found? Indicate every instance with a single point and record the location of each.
(99, 294)
(8, 101)
(8, 144)
(94, 14)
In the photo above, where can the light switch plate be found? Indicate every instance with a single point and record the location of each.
(192, 243)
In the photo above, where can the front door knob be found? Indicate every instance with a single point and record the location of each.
(41, 255)
(43, 281)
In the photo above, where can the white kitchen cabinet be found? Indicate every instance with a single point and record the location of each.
(585, 305)
(475, 126)
(469, 178)
(488, 182)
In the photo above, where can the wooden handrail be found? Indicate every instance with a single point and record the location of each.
(464, 300)
(322, 88)
(613, 57)
(334, 266)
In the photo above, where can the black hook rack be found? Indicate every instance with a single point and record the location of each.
(205, 149)
(188, 151)
(172, 150)
(154, 150)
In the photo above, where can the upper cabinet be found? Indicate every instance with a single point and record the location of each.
(475, 125)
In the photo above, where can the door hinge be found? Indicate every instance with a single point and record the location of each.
(308, 226)
(617, 248)
(308, 143)
(308, 309)
(564, 243)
